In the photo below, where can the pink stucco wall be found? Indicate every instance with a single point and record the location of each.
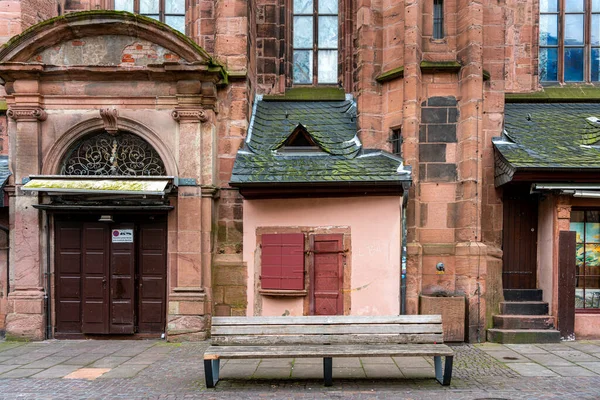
(587, 326)
(375, 228)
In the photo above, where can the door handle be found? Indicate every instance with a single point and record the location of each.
(103, 282)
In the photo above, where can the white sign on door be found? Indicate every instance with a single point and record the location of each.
(122, 235)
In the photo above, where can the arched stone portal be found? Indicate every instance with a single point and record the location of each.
(72, 82)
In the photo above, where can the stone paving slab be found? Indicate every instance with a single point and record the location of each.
(109, 362)
(572, 371)
(57, 371)
(124, 371)
(575, 356)
(21, 372)
(531, 369)
(549, 360)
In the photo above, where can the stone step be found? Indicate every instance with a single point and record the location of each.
(523, 294)
(523, 336)
(524, 308)
(523, 322)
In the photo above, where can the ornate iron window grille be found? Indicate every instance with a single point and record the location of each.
(103, 154)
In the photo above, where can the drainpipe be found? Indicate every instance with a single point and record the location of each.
(403, 256)
(6, 230)
(47, 295)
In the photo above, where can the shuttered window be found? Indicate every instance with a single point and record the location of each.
(282, 261)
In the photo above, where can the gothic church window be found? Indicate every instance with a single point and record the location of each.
(438, 19)
(569, 41)
(315, 40)
(170, 12)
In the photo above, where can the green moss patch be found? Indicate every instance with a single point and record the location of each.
(390, 75)
(571, 94)
(309, 94)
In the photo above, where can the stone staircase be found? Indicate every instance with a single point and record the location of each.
(523, 319)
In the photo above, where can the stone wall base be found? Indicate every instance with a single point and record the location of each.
(188, 328)
(470, 269)
(25, 327)
(187, 319)
(25, 317)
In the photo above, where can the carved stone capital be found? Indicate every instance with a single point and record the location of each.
(109, 117)
(27, 114)
(189, 115)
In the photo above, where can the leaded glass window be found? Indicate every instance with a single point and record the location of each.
(315, 42)
(438, 19)
(121, 154)
(171, 12)
(569, 41)
(586, 224)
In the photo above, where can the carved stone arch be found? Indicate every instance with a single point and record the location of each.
(52, 163)
(90, 23)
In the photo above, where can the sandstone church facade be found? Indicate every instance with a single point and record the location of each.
(165, 161)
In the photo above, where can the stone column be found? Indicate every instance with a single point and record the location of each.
(469, 194)
(411, 110)
(188, 297)
(26, 313)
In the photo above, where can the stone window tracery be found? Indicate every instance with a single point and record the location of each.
(104, 154)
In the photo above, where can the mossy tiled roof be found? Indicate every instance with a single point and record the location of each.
(549, 136)
(338, 156)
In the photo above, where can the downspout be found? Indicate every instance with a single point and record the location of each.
(47, 295)
(403, 255)
(7, 248)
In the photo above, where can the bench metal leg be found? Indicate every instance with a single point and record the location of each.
(211, 372)
(447, 373)
(328, 370)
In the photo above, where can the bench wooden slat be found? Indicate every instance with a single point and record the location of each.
(243, 352)
(265, 340)
(328, 320)
(326, 329)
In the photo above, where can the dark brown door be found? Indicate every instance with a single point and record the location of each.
(95, 278)
(519, 239)
(152, 283)
(122, 279)
(111, 278)
(327, 275)
(68, 270)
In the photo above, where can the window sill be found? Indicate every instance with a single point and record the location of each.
(283, 293)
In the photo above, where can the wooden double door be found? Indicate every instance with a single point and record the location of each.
(110, 277)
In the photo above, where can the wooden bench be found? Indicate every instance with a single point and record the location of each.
(327, 337)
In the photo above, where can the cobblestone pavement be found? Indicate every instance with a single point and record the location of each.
(158, 370)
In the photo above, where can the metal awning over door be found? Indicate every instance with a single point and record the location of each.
(114, 185)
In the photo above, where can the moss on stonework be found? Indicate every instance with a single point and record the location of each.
(390, 75)
(440, 65)
(3, 105)
(557, 95)
(121, 186)
(309, 94)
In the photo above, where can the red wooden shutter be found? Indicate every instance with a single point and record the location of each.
(282, 261)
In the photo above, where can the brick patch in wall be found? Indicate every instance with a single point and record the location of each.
(445, 133)
(432, 153)
(440, 172)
